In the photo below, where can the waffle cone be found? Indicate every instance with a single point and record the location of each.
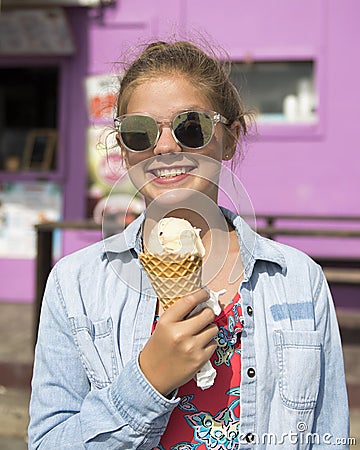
(172, 276)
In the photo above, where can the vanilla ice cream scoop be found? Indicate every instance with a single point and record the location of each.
(175, 236)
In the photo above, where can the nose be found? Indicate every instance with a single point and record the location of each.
(166, 142)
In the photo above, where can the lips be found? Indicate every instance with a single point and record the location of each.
(167, 175)
(170, 172)
(170, 168)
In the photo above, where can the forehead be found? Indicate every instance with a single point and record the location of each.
(163, 96)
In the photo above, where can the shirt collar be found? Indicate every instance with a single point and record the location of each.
(253, 247)
(129, 239)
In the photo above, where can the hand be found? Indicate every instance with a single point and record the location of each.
(180, 345)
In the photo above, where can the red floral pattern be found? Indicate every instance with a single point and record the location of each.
(210, 418)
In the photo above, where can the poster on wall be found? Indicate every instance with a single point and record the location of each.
(112, 198)
(101, 96)
(23, 205)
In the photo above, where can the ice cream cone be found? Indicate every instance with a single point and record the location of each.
(172, 276)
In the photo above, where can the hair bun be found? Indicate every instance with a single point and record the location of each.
(153, 46)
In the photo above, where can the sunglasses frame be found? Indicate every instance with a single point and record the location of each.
(214, 116)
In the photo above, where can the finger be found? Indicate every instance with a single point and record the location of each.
(210, 345)
(209, 349)
(182, 307)
(200, 320)
(206, 338)
(207, 335)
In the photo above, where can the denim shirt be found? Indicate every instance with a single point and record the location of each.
(88, 391)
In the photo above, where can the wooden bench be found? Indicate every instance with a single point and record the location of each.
(344, 270)
(342, 275)
(338, 270)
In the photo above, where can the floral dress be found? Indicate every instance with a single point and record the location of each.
(209, 419)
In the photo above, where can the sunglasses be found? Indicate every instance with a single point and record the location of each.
(191, 129)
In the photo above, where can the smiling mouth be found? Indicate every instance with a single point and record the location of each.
(171, 167)
(170, 173)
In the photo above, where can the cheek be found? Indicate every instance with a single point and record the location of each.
(218, 142)
(215, 148)
(133, 158)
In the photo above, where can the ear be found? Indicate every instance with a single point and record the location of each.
(231, 140)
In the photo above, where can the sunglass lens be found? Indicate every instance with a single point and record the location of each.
(193, 129)
(138, 133)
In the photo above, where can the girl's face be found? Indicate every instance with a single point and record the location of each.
(168, 166)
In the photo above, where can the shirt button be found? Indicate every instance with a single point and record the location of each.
(250, 438)
(251, 372)
(249, 310)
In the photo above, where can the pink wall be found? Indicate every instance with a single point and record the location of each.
(314, 171)
(17, 276)
(287, 170)
(17, 280)
(290, 169)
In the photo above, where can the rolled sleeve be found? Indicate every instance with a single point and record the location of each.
(131, 393)
(66, 412)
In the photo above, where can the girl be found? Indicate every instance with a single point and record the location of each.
(114, 371)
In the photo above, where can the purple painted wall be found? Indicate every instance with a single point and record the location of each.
(290, 169)
(18, 275)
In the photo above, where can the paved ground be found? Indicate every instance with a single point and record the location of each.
(16, 360)
(14, 418)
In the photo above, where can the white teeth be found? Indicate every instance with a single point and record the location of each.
(166, 173)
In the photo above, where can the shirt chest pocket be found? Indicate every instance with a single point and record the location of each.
(95, 343)
(299, 363)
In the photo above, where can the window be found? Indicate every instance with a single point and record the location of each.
(279, 92)
(28, 102)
